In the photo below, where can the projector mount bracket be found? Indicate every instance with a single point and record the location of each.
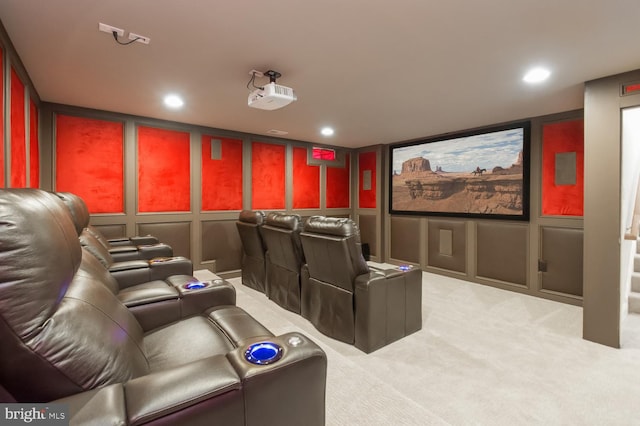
(273, 75)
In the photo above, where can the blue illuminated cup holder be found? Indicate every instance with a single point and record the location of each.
(263, 353)
(196, 285)
(405, 268)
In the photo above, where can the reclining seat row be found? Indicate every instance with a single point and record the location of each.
(121, 249)
(318, 270)
(66, 338)
(272, 255)
(157, 290)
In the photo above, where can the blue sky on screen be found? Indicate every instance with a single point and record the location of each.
(465, 154)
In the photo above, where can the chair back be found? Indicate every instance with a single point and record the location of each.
(78, 209)
(249, 226)
(281, 234)
(284, 259)
(62, 330)
(332, 250)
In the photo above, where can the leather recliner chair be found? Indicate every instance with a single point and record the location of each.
(121, 249)
(345, 299)
(67, 339)
(249, 226)
(284, 259)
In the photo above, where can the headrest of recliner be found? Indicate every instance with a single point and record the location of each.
(342, 227)
(39, 255)
(252, 216)
(78, 209)
(283, 220)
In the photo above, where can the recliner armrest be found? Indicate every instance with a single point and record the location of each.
(290, 391)
(136, 241)
(128, 265)
(140, 271)
(151, 251)
(102, 406)
(396, 272)
(123, 253)
(389, 307)
(196, 301)
(139, 240)
(143, 295)
(205, 389)
(178, 391)
(121, 241)
(389, 273)
(163, 267)
(131, 272)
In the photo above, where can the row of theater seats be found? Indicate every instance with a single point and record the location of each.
(147, 279)
(135, 341)
(317, 269)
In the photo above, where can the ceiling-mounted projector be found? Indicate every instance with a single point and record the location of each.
(270, 96)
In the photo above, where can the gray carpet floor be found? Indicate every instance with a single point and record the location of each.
(484, 356)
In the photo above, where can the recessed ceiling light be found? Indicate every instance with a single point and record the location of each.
(536, 75)
(173, 101)
(327, 131)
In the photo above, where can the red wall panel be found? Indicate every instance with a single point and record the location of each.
(367, 198)
(222, 178)
(34, 148)
(306, 181)
(164, 172)
(1, 123)
(267, 176)
(18, 139)
(566, 136)
(338, 185)
(89, 161)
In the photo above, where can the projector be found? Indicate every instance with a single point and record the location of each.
(271, 96)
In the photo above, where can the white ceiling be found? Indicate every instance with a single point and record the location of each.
(377, 71)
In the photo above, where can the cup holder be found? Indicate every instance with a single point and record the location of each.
(195, 285)
(263, 353)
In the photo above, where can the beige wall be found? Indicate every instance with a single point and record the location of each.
(602, 227)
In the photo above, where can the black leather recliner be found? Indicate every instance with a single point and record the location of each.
(127, 272)
(284, 259)
(249, 226)
(66, 338)
(345, 299)
(172, 293)
(121, 249)
(159, 302)
(134, 272)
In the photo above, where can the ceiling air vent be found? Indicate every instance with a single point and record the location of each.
(277, 132)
